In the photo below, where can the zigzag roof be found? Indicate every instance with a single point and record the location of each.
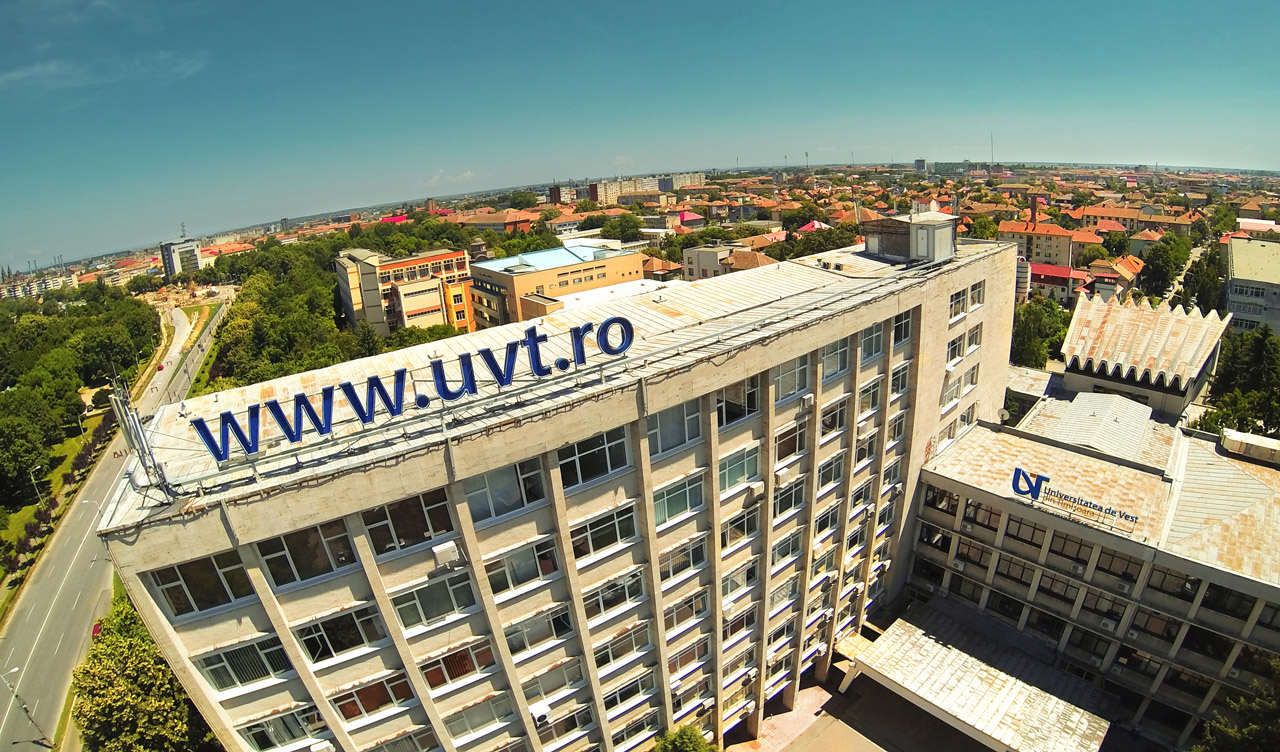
(1161, 346)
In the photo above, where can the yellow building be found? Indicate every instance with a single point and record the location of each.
(516, 288)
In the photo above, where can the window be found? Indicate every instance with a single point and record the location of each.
(941, 500)
(885, 515)
(782, 634)
(1015, 570)
(834, 418)
(790, 441)
(677, 498)
(1026, 532)
(478, 716)
(1099, 602)
(935, 537)
(635, 729)
(738, 401)
(869, 399)
(611, 595)
(864, 450)
(982, 515)
(955, 349)
(1224, 600)
(970, 413)
(457, 300)
(695, 652)
(202, 584)
(958, 299)
(566, 724)
(900, 379)
(897, 428)
(620, 647)
(784, 593)
(304, 554)
(831, 472)
(739, 467)
(872, 339)
(977, 293)
(791, 378)
(394, 689)
(683, 557)
(738, 624)
(247, 664)
(901, 328)
(535, 630)
(827, 520)
(950, 393)
(1075, 549)
(1174, 583)
(504, 491)
(1156, 624)
(435, 600)
(673, 427)
(689, 695)
(740, 579)
(1117, 565)
(687, 610)
(744, 524)
(974, 338)
(338, 634)
(458, 663)
(892, 475)
(603, 532)
(283, 729)
(835, 359)
(422, 740)
(1058, 587)
(563, 675)
(524, 565)
(974, 553)
(789, 497)
(785, 549)
(407, 522)
(593, 458)
(642, 684)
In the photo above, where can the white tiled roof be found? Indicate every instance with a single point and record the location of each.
(1132, 340)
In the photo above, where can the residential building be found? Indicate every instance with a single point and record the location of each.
(658, 268)
(1114, 278)
(1133, 220)
(1139, 242)
(1039, 242)
(423, 290)
(183, 255)
(502, 285)
(679, 180)
(701, 262)
(1061, 284)
(669, 526)
(1253, 282)
(505, 221)
(562, 194)
(35, 286)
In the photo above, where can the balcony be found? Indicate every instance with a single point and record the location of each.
(1069, 567)
(978, 532)
(935, 516)
(1178, 698)
(1134, 680)
(1102, 579)
(932, 554)
(1220, 622)
(1010, 586)
(1147, 642)
(1057, 606)
(1162, 601)
(1021, 549)
(1198, 662)
(1266, 637)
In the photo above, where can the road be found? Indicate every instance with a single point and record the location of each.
(49, 628)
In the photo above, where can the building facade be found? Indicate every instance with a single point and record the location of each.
(424, 290)
(1253, 283)
(669, 536)
(1040, 243)
(182, 255)
(502, 287)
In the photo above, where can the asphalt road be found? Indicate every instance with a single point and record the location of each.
(50, 625)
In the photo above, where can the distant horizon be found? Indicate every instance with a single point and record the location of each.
(581, 181)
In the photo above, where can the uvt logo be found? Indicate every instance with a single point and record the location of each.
(1028, 484)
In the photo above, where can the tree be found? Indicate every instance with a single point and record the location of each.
(1159, 271)
(1255, 719)
(144, 283)
(1116, 243)
(101, 398)
(127, 697)
(1091, 253)
(1039, 326)
(593, 221)
(983, 227)
(586, 205)
(683, 739)
(367, 342)
(625, 227)
(23, 448)
(549, 214)
(523, 199)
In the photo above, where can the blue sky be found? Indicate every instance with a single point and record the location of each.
(119, 119)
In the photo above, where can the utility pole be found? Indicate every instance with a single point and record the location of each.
(44, 738)
(31, 473)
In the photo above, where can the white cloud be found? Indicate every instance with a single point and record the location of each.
(440, 178)
(161, 66)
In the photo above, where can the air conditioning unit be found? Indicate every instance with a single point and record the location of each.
(958, 566)
(322, 746)
(708, 703)
(1233, 673)
(968, 527)
(757, 489)
(675, 684)
(1124, 587)
(727, 604)
(807, 400)
(1132, 634)
(929, 587)
(1107, 624)
(540, 711)
(750, 708)
(447, 554)
(1095, 661)
(884, 563)
(822, 649)
(1077, 568)
(817, 546)
(752, 674)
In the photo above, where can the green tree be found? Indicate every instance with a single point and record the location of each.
(127, 698)
(367, 342)
(1254, 723)
(1159, 271)
(22, 449)
(1091, 253)
(983, 227)
(808, 212)
(523, 199)
(683, 739)
(625, 227)
(1116, 243)
(1039, 326)
(144, 283)
(586, 205)
(549, 214)
(1222, 219)
(593, 221)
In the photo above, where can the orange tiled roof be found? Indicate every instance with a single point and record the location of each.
(1037, 228)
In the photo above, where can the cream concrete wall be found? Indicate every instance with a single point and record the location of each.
(614, 269)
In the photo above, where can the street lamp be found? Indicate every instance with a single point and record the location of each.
(44, 738)
(31, 473)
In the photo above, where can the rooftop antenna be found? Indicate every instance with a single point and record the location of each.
(184, 230)
(993, 149)
(806, 161)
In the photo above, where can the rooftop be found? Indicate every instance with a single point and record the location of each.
(615, 292)
(550, 258)
(674, 329)
(1254, 260)
(1162, 346)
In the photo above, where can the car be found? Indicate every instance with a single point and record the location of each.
(160, 367)
(97, 628)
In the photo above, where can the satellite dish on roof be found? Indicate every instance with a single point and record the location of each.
(1004, 415)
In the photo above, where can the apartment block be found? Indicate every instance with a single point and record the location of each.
(393, 293)
(1039, 242)
(651, 512)
(520, 287)
(183, 255)
(1253, 283)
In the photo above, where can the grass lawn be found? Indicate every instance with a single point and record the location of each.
(62, 455)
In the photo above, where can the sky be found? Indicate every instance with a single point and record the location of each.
(122, 119)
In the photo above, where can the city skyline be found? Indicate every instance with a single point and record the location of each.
(128, 118)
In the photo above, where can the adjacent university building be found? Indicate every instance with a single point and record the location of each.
(572, 532)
